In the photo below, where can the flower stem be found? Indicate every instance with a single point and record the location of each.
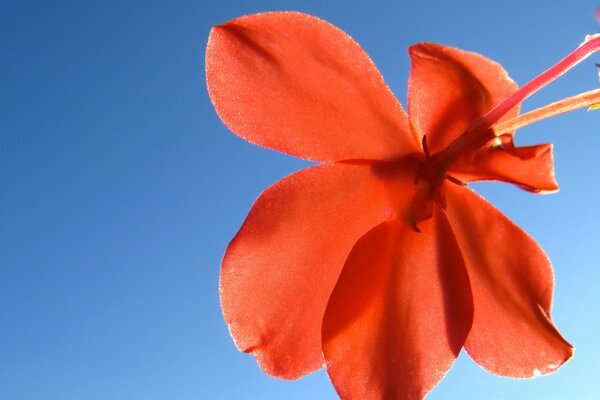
(480, 132)
(587, 99)
(588, 47)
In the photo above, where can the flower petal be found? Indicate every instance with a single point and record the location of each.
(512, 281)
(281, 267)
(449, 89)
(399, 313)
(530, 167)
(297, 84)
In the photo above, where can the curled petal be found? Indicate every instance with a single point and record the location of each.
(512, 281)
(530, 167)
(399, 314)
(299, 85)
(449, 89)
(279, 270)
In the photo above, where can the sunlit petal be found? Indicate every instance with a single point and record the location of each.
(530, 167)
(297, 84)
(512, 281)
(450, 88)
(281, 267)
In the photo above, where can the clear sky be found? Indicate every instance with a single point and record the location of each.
(120, 190)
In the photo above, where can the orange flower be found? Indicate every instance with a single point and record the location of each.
(380, 263)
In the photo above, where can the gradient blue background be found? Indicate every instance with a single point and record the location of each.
(120, 190)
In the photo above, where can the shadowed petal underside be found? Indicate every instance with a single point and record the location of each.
(399, 313)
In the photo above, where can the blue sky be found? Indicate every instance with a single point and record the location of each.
(120, 190)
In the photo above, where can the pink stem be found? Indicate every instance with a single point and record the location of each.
(478, 134)
(591, 45)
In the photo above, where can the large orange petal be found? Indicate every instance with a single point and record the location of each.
(297, 84)
(399, 313)
(281, 267)
(512, 281)
(530, 167)
(450, 88)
